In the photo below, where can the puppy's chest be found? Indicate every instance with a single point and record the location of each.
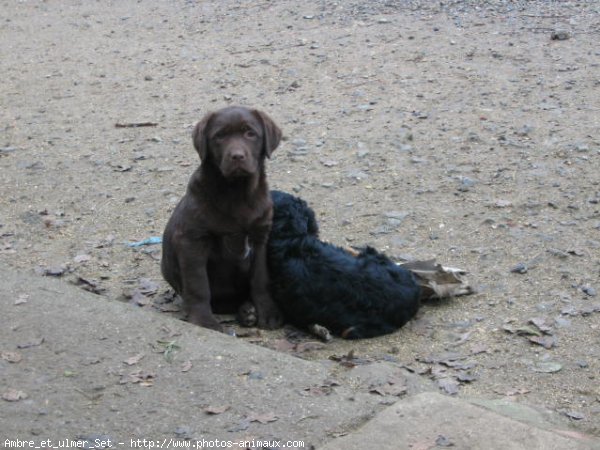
(237, 231)
(233, 241)
(233, 247)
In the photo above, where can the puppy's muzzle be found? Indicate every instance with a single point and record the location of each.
(237, 155)
(237, 163)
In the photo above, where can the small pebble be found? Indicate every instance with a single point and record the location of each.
(519, 268)
(575, 415)
(182, 432)
(466, 184)
(588, 290)
(54, 271)
(525, 130)
(560, 35)
(298, 142)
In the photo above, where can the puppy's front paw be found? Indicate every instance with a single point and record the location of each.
(247, 315)
(270, 318)
(205, 321)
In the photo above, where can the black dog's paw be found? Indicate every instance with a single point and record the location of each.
(321, 332)
(247, 315)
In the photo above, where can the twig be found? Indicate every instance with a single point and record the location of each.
(545, 16)
(135, 124)
(267, 47)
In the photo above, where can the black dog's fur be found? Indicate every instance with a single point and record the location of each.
(313, 282)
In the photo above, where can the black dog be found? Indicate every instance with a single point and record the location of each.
(315, 283)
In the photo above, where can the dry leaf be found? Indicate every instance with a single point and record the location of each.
(318, 391)
(214, 410)
(395, 389)
(541, 324)
(462, 339)
(466, 377)
(422, 445)
(22, 298)
(308, 346)
(349, 360)
(169, 307)
(395, 386)
(82, 258)
(13, 395)
(283, 345)
(33, 343)
(458, 365)
(547, 367)
(89, 285)
(147, 286)
(449, 385)
(139, 298)
(139, 377)
(134, 359)
(438, 281)
(263, 418)
(513, 392)
(545, 341)
(11, 357)
(527, 330)
(438, 371)
(502, 203)
(186, 366)
(377, 389)
(479, 348)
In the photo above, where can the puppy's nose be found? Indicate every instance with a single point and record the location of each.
(237, 155)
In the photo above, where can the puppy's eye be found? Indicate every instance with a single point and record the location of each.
(250, 134)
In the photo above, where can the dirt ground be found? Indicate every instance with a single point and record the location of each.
(465, 131)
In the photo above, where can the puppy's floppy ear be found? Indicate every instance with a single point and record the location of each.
(199, 136)
(272, 133)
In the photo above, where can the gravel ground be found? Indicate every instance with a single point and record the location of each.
(461, 130)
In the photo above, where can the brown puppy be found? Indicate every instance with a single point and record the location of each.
(214, 245)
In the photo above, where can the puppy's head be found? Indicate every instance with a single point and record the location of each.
(236, 140)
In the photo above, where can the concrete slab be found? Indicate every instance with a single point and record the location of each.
(73, 345)
(78, 369)
(431, 420)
